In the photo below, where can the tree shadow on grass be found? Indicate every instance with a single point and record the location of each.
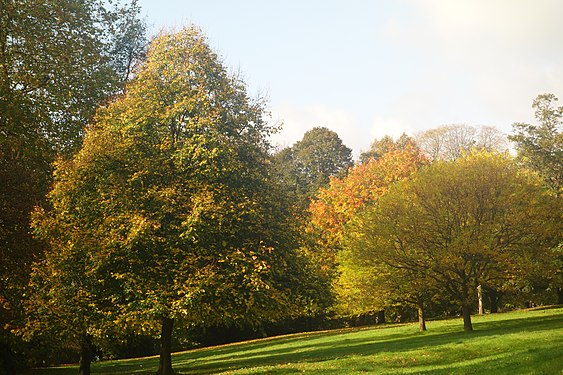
(282, 354)
(344, 345)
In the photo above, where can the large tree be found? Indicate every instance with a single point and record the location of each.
(336, 204)
(58, 61)
(540, 147)
(479, 220)
(171, 205)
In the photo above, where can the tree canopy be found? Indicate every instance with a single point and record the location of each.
(475, 221)
(310, 162)
(540, 146)
(380, 147)
(140, 196)
(170, 201)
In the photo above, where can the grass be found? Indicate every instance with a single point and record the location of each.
(522, 342)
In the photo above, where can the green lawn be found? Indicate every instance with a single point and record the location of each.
(523, 342)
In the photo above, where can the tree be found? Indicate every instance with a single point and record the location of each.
(53, 77)
(66, 304)
(449, 142)
(57, 64)
(540, 147)
(336, 204)
(310, 162)
(478, 220)
(380, 147)
(363, 185)
(172, 199)
(365, 285)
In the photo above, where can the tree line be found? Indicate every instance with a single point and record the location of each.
(141, 197)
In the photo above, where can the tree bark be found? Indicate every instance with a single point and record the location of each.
(480, 296)
(421, 319)
(165, 363)
(85, 356)
(560, 296)
(466, 312)
(493, 298)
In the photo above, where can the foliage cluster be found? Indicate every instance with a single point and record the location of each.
(140, 196)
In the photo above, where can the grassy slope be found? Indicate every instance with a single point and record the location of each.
(524, 342)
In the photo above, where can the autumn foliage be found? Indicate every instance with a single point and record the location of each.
(363, 185)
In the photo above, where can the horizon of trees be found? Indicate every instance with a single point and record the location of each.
(141, 197)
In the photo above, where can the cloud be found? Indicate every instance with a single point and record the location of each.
(483, 61)
(299, 119)
(392, 126)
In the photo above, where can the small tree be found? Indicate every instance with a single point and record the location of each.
(477, 220)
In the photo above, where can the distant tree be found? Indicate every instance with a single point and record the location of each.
(540, 147)
(449, 142)
(310, 162)
(170, 208)
(477, 220)
(380, 147)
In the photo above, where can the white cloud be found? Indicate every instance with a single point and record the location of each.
(392, 126)
(484, 60)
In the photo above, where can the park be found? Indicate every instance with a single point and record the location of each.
(149, 225)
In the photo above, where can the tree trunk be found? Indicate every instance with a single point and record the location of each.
(560, 296)
(493, 298)
(380, 319)
(480, 296)
(421, 319)
(466, 312)
(165, 364)
(85, 356)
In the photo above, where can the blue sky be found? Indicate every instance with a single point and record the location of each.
(369, 68)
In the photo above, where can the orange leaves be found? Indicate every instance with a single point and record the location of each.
(363, 185)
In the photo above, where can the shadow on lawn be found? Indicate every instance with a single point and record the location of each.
(326, 346)
(307, 350)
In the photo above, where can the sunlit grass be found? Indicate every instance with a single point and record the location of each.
(524, 342)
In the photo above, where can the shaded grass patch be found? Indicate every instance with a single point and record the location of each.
(523, 342)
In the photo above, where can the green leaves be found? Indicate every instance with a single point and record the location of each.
(171, 201)
(540, 147)
(453, 226)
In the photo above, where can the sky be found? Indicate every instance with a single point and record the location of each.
(369, 68)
